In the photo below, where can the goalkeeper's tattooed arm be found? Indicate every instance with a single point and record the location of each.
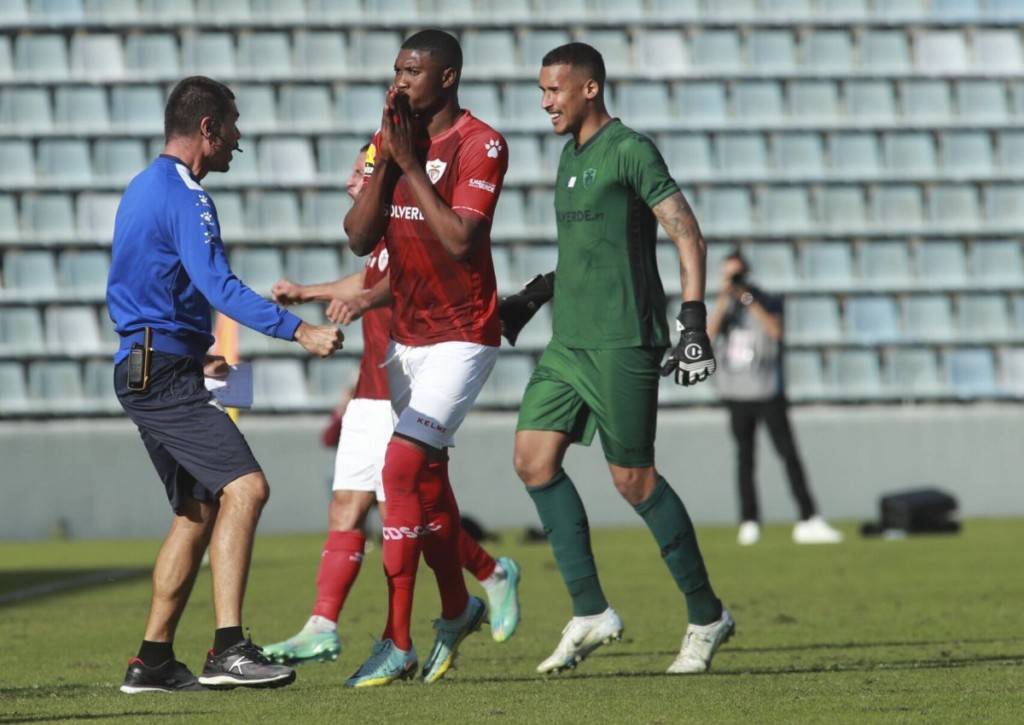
(519, 308)
(677, 219)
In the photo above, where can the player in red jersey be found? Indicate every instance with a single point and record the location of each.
(367, 422)
(433, 175)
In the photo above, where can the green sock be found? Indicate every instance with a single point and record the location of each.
(565, 522)
(666, 517)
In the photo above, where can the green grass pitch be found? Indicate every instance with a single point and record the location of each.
(926, 629)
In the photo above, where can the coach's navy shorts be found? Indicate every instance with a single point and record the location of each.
(195, 446)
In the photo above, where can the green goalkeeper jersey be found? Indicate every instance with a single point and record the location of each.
(607, 290)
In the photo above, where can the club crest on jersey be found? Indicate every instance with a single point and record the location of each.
(382, 260)
(435, 168)
(588, 178)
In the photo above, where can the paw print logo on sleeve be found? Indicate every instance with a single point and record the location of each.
(493, 148)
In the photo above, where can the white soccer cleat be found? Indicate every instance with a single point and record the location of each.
(816, 530)
(700, 644)
(750, 533)
(581, 637)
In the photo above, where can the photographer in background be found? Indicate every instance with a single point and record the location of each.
(746, 327)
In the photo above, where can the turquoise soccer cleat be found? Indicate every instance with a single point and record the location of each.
(450, 633)
(305, 647)
(503, 602)
(385, 664)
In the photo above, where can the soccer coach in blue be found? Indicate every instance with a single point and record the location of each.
(168, 270)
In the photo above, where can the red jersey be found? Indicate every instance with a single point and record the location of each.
(436, 298)
(373, 379)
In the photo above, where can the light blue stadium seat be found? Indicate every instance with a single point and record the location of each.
(16, 13)
(716, 50)
(772, 49)
(81, 108)
(321, 53)
(55, 386)
(913, 372)
(688, 155)
(483, 101)
(462, 9)
(330, 378)
(168, 10)
(13, 388)
(540, 212)
(872, 319)
(275, 214)
(741, 154)
(1004, 10)
(856, 374)
(984, 316)
(97, 56)
(617, 9)
(509, 216)
(701, 102)
(661, 52)
(112, 11)
(360, 108)
(843, 9)
(954, 206)
(805, 376)
(956, 9)
(927, 317)
(518, 10)
(257, 267)
(83, 273)
(324, 211)
(521, 107)
(827, 265)
(223, 10)
(884, 50)
(912, 153)
(562, 11)
(1011, 371)
(306, 108)
(1004, 206)
(537, 333)
(335, 10)
(230, 215)
(981, 100)
(997, 263)
(506, 279)
(940, 51)
(524, 160)
(257, 107)
(26, 109)
(668, 268)
(313, 265)
(72, 331)
(152, 55)
(375, 51)
(813, 319)
(814, 100)
(966, 152)
(534, 43)
(717, 252)
(531, 260)
(17, 165)
(789, 9)
(828, 50)
(398, 8)
(138, 109)
(265, 54)
(64, 161)
(279, 11)
(926, 100)
(209, 49)
(644, 105)
(490, 52)
(48, 217)
(10, 226)
(94, 216)
(727, 210)
(676, 9)
(870, 99)
(996, 50)
(279, 385)
(507, 381)
(30, 274)
(772, 264)
(287, 159)
(798, 154)
(842, 207)
(971, 372)
(42, 56)
(884, 263)
(942, 262)
(854, 153)
(21, 331)
(336, 154)
(1011, 150)
(6, 58)
(98, 386)
(898, 206)
(784, 209)
(760, 100)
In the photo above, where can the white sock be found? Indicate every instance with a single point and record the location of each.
(320, 625)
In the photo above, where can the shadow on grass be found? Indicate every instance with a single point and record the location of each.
(134, 716)
(19, 586)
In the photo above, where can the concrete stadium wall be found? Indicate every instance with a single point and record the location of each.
(92, 479)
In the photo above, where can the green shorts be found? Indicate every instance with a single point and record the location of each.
(613, 391)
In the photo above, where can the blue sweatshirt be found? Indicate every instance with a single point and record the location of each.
(168, 268)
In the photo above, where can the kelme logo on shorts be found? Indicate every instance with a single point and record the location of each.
(588, 178)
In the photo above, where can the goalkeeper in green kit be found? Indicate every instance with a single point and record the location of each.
(600, 371)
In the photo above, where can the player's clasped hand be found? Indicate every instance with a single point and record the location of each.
(692, 359)
(319, 340)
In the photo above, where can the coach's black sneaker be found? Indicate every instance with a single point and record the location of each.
(244, 665)
(171, 676)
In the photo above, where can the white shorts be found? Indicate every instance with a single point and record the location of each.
(434, 386)
(366, 429)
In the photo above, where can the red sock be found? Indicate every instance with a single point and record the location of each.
(473, 557)
(441, 546)
(403, 526)
(339, 566)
